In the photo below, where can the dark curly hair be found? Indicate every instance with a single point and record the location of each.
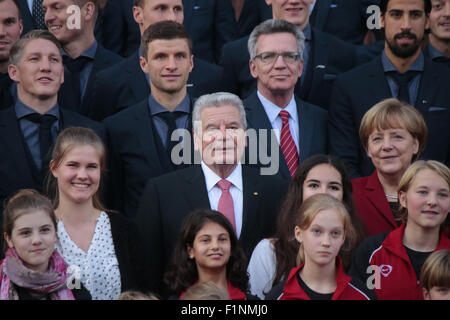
(285, 245)
(183, 271)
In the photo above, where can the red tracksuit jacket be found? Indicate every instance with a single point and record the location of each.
(346, 288)
(398, 280)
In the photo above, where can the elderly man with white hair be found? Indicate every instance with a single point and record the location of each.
(220, 182)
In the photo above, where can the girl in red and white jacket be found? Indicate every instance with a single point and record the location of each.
(324, 230)
(397, 257)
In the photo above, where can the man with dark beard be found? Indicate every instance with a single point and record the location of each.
(402, 72)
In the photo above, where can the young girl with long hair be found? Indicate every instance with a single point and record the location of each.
(208, 250)
(103, 244)
(33, 269)
(324, 231)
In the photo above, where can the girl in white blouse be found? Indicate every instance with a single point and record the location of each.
(88, 236)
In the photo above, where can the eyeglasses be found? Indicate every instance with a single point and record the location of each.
(271, 57)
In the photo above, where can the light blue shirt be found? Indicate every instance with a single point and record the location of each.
(273, 114)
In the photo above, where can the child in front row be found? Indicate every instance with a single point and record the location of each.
(324, 231)
(208, 250)
(435, 276)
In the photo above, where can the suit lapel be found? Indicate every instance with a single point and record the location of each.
(136, 77)
(257, 118)
(306, 127)
(13, 145)
(381, 91)
(144, 131)
(427, 89)
(377, 198)
(322, 7)
(319, 58)
(250, 204)
(196, 194)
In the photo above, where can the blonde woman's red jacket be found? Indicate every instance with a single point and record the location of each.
(386, 252)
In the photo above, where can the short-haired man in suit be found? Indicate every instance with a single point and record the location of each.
(140, 136)
(113, 93)
(249, 200)
(83, 56)
(401, 72)
(276, 49)
(29, 128)
(438, 48)
(10, 29)
(324, 57)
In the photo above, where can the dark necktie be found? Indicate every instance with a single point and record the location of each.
(443, 60)
(38, 14)
(170, 119)
(45, 122)
(75, 67)
(402, 80)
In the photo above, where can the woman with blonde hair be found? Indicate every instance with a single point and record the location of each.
(393, 135)
(324, 231)
(104, 245)
(398, 256)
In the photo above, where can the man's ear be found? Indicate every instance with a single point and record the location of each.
(89, 10)
(143, 63)
(253, 71)
(138, 15)
(14, 73)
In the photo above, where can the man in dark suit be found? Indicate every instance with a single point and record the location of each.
(210, 24)
(125, 84)
(401, 72)
(249, 200)
(10, 30)
(438, 48)
(344, 19)
(276, 48)
(324, 57)
(83, 56)
(31, 21)
(141, 136)
(117, 29)
(29, 128)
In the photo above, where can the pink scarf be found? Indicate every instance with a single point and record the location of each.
(53, 281)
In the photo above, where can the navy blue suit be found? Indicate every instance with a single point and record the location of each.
(125, 84)
(117, 30)
(17, 171)
(358, 90)
(345, 19)
(168, 199)
(103, 59)
(312, 130)
(210, 24)
(134, 155)
(330, 57)
(253, 13)
(28, 22)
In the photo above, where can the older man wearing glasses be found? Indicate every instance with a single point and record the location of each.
(276, 49)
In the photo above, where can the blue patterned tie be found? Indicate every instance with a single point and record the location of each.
(38, 15)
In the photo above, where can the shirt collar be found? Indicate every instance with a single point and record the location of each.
(434, 53)
(307, 32)
(418, 65)
(211, 178)
(273, 110)
(156, 107)
(90, 52)
(23, 110)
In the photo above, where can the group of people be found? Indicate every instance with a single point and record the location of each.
(287, 164)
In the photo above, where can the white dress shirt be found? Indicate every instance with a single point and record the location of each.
(236, 191)
(273, 114)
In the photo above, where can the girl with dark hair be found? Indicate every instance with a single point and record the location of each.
(32, 268)
(208, 250)
(273, 258)
(104, 245)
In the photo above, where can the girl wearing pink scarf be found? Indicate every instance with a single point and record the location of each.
(32, 268)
